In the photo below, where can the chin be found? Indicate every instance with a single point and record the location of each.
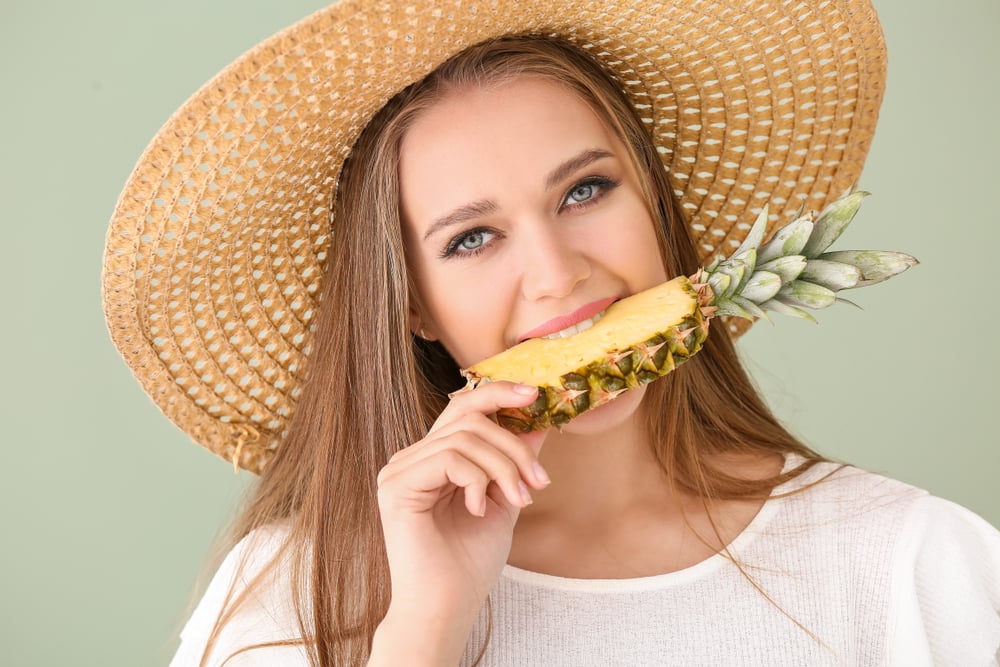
(609, 416)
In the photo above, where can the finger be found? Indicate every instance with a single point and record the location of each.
(503, 472)
(497, 464)
(473, 430)
(419, 486)
(475, 498)
(486, 399)
(534, 440)
(496, 494)
(522, 449)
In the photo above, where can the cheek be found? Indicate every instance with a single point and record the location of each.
(633, 248)
(467, 315)
(652, 257)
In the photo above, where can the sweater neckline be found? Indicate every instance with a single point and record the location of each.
(737, 546)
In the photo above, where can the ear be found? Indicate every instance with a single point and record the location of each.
(419, 327)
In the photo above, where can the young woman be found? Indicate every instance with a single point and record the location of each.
(514, 192)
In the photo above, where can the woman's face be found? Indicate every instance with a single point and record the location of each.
(523, 217)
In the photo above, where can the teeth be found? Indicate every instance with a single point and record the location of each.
(576, 328)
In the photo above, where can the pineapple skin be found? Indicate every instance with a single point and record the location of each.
(612, 372)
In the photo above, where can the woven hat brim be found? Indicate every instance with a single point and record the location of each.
(215, 249)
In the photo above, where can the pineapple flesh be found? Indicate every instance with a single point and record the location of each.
(647, 335)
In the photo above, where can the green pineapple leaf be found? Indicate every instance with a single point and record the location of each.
(832, 222)
(873, 265)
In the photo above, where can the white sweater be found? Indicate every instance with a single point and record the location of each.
(880, 572)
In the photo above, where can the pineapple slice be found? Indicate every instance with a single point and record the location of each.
(662, 327)
(647, 335)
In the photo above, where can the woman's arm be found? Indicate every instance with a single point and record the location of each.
(448, 506)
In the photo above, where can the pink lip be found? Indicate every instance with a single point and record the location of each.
(563, 321)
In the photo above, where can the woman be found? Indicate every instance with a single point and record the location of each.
(515, 192)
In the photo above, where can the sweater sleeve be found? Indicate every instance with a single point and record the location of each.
(267, 615)
(945, 603)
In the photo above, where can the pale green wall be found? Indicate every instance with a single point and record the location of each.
(109, 511)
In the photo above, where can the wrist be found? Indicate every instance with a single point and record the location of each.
(421, 637)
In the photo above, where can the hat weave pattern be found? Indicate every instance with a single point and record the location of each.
(216, 248)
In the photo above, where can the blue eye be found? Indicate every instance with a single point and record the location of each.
(473, 240)
(582, 193)
(469, 243)
(588, 191)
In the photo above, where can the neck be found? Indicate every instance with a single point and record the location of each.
(598, 475)
(612, 507)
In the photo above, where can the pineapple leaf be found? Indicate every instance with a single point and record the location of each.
(873, 265)
(841, 299)
(735, 270)
(832, 222)
(784, 309)
(750, 307)
(787, 268)
(831, 274)
(763, 285)
(789, 240)
(749, 261)
(806, 295)
(756, 234)
(719, 282)
(732, 309)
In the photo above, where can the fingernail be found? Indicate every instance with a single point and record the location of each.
(482, 508)
(540, 473)
(525, 389)
(525, 493)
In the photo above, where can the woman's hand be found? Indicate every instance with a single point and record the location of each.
(448, 505)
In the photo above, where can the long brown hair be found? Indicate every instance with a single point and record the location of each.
(374, 388)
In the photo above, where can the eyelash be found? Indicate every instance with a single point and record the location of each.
(603, 183)
(452, 249)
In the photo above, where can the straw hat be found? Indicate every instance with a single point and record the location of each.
(216, 247)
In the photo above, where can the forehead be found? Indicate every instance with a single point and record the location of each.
(476, 140)
(522, 104)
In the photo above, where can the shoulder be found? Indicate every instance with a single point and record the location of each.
(936, 527)
(836, 491)
(837, 483)
(907, 520)
(927, 565)
(252, 590)
(845, 503)
(946, 586)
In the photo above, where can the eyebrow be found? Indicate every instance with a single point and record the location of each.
(573, 164)
(486, 207)
(461, 214)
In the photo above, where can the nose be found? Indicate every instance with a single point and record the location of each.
(551, 265)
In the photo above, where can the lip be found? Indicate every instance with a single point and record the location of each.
(564, 321)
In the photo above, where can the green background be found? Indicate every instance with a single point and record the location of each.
(109, 512)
